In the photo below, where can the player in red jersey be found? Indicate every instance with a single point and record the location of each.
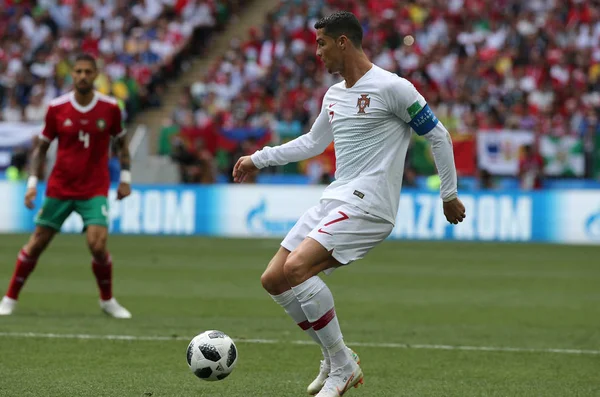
(83, 121)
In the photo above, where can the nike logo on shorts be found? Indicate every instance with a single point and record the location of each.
(324, 232)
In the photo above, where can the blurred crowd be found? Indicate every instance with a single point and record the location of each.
(481, 64)
(139, 44)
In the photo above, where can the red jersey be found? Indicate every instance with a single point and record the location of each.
(83, 133)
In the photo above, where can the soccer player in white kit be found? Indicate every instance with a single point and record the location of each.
(370, 117)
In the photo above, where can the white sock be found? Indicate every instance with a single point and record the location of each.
(317, 303)
(292, 307)
(339, 354)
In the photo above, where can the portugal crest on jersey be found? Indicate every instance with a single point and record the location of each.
(363, 102)
(101, 124)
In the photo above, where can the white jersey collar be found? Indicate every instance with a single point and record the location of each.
(83, 109)
(361, 77)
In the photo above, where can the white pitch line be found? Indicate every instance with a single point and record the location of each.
(301, 342)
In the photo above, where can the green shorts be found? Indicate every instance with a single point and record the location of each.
(54, 212)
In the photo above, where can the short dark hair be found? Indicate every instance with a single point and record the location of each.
(87, 58)
(342, 23)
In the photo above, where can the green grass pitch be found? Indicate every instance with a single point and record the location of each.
(528, 297)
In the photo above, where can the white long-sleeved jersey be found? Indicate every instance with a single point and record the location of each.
(371, 124)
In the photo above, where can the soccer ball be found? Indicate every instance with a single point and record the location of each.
(212, 355)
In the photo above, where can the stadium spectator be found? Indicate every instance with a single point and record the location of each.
(589, 130)
(35, 111)
(531, 166)
(486, 180)
(13, 111)
(196, 162)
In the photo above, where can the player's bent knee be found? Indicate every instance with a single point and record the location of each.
(274, 282)
(294, 269)
(97, 248)
(268, 282)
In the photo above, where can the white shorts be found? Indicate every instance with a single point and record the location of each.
(342, 228)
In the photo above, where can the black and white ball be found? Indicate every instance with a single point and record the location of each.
(212, 355)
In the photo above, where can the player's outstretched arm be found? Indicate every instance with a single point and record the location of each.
(122, 149)
(304, 147)
(410, 106)
(37, 170)
(441, 145)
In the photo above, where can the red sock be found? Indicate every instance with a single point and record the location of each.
(23, 268)
(103, 272)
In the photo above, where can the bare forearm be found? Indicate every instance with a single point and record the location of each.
(125, 159)
(39, 159)
(122, 150)
(124, 155)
